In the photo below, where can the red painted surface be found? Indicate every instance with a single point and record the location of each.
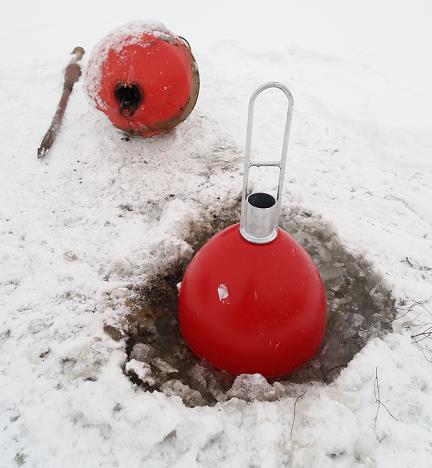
(166, 73)
(273, 318)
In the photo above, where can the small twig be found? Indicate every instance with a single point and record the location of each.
(425, 333)
(422, 305)
(423, 349)
(332, 369)
(406, 311)
(399, 317)
(420, 326)
(409, 263)
(418, 266)
(378, 399)
(415, 322)
(294, 412)
(425, 337)
(377, 396)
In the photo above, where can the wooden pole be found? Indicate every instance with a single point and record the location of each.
(71, 76)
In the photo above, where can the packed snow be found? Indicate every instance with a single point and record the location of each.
(99, 215)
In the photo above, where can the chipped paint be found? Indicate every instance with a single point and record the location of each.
(223, 293)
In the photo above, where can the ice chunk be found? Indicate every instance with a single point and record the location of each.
(188, 395)
(252, 387)
(142, 352)
(163, 366)
(142, 370)
(211, 381)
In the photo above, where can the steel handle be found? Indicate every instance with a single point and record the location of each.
(249, 230)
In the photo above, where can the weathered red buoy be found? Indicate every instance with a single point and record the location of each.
(252, 300)
(144, 78)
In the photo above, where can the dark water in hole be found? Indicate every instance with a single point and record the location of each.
(359, 308)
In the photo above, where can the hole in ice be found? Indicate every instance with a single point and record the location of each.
(360, 307)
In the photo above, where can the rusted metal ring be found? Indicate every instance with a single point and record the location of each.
(185, 41)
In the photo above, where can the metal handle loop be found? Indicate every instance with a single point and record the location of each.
(281, 163)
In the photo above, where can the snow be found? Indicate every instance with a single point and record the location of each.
(141, 369)
(99, 215)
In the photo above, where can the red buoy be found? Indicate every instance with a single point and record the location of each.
(252, 300)
(250, 308)
(144, 78)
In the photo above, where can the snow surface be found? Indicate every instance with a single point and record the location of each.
(78, 228)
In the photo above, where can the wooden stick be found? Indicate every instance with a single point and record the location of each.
(72, 73)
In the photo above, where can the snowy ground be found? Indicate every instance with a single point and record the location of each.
(359, 156)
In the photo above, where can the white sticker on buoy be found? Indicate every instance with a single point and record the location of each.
(223, 293)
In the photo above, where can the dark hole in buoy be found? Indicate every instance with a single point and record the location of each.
(129, 97)
(261, 200)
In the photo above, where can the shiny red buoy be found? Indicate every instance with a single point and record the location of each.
(252, 300)
(144, 78)
(250, 308)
